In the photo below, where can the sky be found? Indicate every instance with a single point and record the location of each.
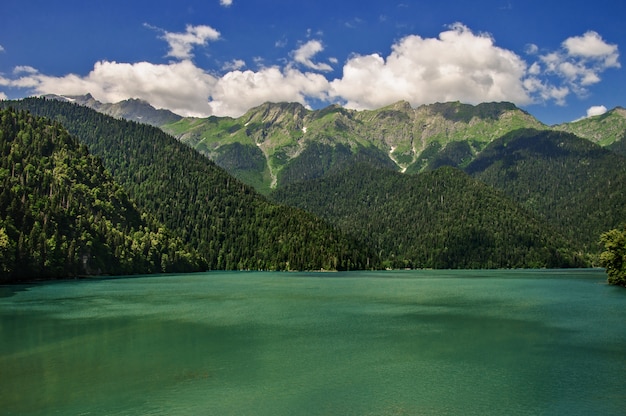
(558, 60)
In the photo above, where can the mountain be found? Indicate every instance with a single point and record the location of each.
(577, 186)
(607, 130)
(61, 213)
(512, 192)
(437, 219)
(226, 221)
(133, 109)
(276, 144)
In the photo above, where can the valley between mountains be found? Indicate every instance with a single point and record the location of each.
(282, 187)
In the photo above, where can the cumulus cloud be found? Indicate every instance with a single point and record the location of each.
(591, 45)
(181, 44)
(238, 91)
(226, 3)
(596, 110)
(181, 87)
(305, 53)
(3, 96)
(458, 65)
(580, 62)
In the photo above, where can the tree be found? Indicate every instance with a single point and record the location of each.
(613, 258)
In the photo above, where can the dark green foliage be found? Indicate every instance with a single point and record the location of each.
(229, 224)
(319, 159)
(619, 146)
(429, 153)
(613, 258)
(439, 219)
(61, 214)
(455, 154)
(247, 162)
(574, 184)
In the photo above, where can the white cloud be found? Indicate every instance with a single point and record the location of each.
(1, 48)
(234, 65)
(459, 65)
(305, 53)
(238, 91)
(580, 62)
(181, 87)
(532, 49)
(591, 45)
(181, 44)
(24, 69)
(3, 96)
(543, 91)
(596, 110)
(226, 3)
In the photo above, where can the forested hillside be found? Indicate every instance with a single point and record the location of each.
(572, 183)
(229, 224)
(438, 219)
(61, 213)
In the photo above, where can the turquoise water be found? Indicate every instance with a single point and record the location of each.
(373, 343)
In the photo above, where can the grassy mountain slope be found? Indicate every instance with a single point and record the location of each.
(396, 136)
(574, 184)
(438, 219)
(231, 226)
(606, 129)
(61, 213)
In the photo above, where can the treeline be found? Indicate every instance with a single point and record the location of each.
(228, 223)
(438, 219)
(61, 213)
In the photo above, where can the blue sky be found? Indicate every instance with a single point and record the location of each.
(558, 60)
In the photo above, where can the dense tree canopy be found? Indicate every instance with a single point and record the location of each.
(573, 184)
(62, 214)
(229, 223)
(613, 258)
(439, 219)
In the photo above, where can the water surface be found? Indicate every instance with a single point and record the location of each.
(357, 343)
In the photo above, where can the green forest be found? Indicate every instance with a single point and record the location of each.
(571, 183)
(87, 194)
(227, 223)
(437, 219)
(61, 213)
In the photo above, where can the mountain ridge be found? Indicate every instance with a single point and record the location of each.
(280, 132)
(532, 196)
(133, 109)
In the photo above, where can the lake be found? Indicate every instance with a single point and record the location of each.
(521, 342)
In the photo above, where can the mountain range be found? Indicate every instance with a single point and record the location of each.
(269, 146)
(276, 144)
(444, 185)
